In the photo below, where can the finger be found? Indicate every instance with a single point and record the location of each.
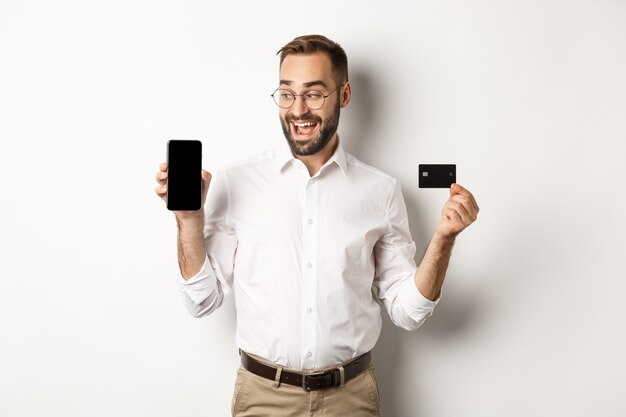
(163, 166)
(161, 191)
(206, 180)
(459, 189)
(454, 216)
(161, 177)
(460, 210)
(467, 205)
(456, 222)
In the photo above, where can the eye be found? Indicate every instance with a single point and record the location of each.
(313, 96)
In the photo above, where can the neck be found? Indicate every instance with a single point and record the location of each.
(316, 161)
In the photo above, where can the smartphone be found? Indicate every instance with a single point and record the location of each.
(184, 175)
(436, 175)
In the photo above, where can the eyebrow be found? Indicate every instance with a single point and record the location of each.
(307, 84)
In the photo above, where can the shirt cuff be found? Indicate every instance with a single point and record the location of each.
(201, 285)
(414, 303)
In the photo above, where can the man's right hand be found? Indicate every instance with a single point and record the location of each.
(161, 191)
(191, 250)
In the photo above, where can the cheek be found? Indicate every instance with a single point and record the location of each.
(283, 119)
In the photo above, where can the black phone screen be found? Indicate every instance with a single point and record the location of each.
(184, 175)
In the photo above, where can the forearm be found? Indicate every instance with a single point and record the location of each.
(191, 249)
(432, 269)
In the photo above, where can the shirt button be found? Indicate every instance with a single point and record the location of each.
(309, 265)
(309, 354)
(309, 309)
(310, 221)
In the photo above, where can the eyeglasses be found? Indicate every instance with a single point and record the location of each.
(313, 99)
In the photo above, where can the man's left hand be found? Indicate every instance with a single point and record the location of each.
(460, 211)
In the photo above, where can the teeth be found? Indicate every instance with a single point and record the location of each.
(304, 124)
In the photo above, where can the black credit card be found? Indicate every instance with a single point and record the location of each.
(184, 175)
(436, 175)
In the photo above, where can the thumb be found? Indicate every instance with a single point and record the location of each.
(206, 179)
(453, 189)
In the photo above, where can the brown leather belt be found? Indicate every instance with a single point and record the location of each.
(310, 381)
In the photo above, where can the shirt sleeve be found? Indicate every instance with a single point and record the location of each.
(394, 280)
(204, 292)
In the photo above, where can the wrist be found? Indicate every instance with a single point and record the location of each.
(190, 219)
(444, 238)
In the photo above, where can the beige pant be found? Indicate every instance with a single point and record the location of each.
(256, 396)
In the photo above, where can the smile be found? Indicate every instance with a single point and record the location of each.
(303, 129)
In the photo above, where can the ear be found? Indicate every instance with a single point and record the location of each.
(346, 93)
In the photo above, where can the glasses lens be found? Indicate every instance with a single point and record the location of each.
(314, 100)
(283, 98)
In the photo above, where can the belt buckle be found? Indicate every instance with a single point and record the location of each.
(311, 382)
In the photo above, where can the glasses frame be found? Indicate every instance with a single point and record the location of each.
(324, 96)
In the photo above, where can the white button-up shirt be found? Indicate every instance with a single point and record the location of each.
(309, 258)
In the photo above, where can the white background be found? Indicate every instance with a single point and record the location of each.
(526, 97)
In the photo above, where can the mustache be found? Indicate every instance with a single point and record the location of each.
(314, 119)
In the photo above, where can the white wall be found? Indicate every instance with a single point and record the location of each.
(526, 97)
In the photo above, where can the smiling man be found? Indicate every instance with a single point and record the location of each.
(309, 127)
(312, 242)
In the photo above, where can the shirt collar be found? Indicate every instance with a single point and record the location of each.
(340, 158)
(284, 156)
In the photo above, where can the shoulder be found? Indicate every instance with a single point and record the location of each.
(259, 164)
(369, 174)
(261, 159)
(248, 173)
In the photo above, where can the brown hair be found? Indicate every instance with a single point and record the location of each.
(310, 44)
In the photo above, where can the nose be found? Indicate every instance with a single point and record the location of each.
(298, 107)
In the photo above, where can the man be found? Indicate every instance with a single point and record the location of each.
(311, 240)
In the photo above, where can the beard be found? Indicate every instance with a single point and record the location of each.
(327, 128)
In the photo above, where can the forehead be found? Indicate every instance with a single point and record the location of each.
(300, 69)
